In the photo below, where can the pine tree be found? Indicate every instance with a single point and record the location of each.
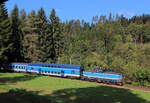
(5, 34)
(16, 37)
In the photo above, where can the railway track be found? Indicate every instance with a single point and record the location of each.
(130, 87)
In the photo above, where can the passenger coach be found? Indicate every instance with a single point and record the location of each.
(63, 70)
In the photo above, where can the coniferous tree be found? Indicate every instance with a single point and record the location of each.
(16, 37)
(31, 38)
(5, 34)
(43, 37)
(23, 20)
(56, 36)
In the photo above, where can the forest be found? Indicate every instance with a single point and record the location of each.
(110, 42)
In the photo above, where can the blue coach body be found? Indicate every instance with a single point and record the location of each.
(19, 67)
(62, 70)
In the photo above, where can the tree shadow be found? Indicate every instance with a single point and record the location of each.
(23, 96)
(25, 77)
(99, 94)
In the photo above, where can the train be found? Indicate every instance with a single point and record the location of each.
(68, 71)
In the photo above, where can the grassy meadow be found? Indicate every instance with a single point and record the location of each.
(29, 88)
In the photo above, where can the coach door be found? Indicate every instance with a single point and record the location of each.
(39, 70)
(62, 73)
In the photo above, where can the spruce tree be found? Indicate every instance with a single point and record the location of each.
(56, 36)
(5, 34)
(43, 37)
(16, 37)
(31, 38)
(23, 20)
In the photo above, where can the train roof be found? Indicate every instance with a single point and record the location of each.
(56, 65)
(19, 63)
(50, 65)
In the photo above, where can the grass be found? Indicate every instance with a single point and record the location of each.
(29, 88)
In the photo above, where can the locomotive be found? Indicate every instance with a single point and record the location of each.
(66, 71)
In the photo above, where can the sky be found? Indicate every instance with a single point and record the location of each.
(84, 9)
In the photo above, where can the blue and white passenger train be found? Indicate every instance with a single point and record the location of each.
(65, 70)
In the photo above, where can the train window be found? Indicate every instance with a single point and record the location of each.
(16, 66)
(31, 68)
(58, 72)
(52, 72)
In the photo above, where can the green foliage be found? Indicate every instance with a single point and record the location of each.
(56, 37)
(43, 37)
(112, 43)
(30, 40)
(5, 36)
(94, 60)
(16, 37)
